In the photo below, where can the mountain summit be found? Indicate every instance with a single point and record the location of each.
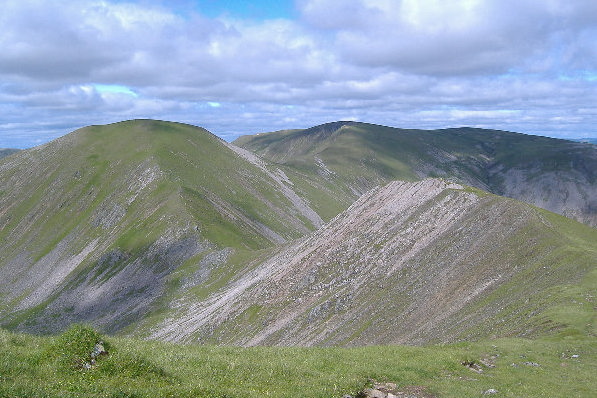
(96, 225)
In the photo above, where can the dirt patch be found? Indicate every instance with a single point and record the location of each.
(392, 390)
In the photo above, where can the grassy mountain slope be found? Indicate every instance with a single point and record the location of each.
(100, 224)
(164, 230)
(351, 157)
(410, 263)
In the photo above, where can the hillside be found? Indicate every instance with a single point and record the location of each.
(409, 263)
(350, 158)
(108, 223)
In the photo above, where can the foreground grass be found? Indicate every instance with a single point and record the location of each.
(51, 367)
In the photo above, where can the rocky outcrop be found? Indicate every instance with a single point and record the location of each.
(392, 390)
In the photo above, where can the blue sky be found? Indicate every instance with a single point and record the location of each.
(260, 9)
(238, 67)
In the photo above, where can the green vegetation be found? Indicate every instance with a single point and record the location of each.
(33, 367)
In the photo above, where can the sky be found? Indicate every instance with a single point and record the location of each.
(240, 67)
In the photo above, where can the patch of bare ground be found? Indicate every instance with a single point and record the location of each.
(392, 390)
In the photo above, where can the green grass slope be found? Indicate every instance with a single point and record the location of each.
(352, 157)
(110, 223)
(51, 367)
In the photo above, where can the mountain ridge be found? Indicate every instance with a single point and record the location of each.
(558, 175)
(7, 152)
(163, 230)
(383, 273)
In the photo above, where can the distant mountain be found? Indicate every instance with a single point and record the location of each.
(351, 158)
(586, 140)
(7, 151)
(98, 226)
(410, 263)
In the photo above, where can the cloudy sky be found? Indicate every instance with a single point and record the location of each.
(237, 67)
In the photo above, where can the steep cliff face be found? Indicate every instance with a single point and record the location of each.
(351, 157)
(97, 225)
(407, 263)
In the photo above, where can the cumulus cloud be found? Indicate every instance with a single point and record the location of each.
(410, 63)
(450, 37)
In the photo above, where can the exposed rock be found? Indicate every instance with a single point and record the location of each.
(391, 390)
(379, 390)
(284, 184)
(473, 365)
(95, 239)
(533, 364)
(96, 353)
(106, 236)
(98, 350)
(108, 216)
(555, 174)
(206, 265)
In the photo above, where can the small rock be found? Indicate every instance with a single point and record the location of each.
(490, 391)
(514, 365)
(535, 364)
(385, 387)
(574, 356)
(98, 350)
(373, 393)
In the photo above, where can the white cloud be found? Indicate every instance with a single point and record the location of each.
(409, 63)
